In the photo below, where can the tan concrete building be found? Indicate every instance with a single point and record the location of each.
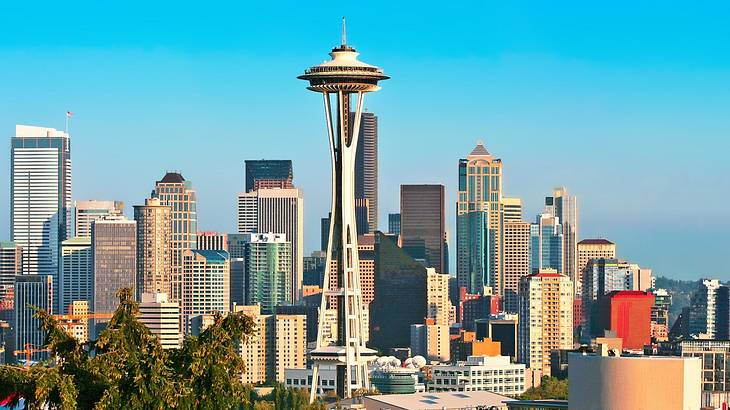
(602, 382)
(154, 250)
(511, 209)
(366, 261)
(516, 258)
(546, 317)
(431, 341)
(438, 306)
(592, 249)
(280, 343)
(206, 283)
(177, 193)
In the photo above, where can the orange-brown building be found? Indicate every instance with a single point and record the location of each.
(466, 344)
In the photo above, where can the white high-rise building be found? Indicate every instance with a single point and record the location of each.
(40, 197)
(267, 270)
(279, 210)
(162, 318)
(480, 373)
(206, 283)
(564, 206)
(85, 212)
(75, 281)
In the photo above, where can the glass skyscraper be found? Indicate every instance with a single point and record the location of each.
(40, 197)
(546, 244)
(269, 170)
(479, 222)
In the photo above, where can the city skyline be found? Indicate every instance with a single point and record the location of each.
(641, 215)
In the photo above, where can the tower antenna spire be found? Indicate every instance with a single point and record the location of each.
(344, 32)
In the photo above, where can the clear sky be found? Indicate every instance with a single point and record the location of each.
(626, 103)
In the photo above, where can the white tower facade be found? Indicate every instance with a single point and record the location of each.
(341, 79)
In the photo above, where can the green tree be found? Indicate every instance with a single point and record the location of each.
(126, 368)
(549, 388)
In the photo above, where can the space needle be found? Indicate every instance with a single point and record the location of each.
(344, 79)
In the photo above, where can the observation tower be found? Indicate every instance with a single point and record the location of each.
(344, 79)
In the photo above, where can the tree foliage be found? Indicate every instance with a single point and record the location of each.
(549, 388)
(126, 367)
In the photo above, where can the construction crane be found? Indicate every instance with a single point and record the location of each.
(28, 351)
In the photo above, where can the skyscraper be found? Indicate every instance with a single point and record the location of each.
(565, 207)
(206, 286)
(438, 305)
(114, 259)
(267, 270)
(214, 241)
(478, 222)
(366, 170)
(546, 317)
(31, 290)
(273, 174)
(546, 244)
(280, 211)
(394, 224)
(154, 247)
(11, 257)
(177, 193)
(76, 270)
(85, 212)
(511, 209)
(516, 259)
(592, 249)
(343, 76)
(423, 222)
(40, 196)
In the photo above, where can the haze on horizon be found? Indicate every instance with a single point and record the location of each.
(625, 104)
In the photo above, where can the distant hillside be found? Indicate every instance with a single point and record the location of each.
(681, 291)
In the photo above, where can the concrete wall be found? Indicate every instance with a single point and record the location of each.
(638, 383)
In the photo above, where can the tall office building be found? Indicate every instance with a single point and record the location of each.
(85, 212)
(281, 211)
(214, 241)
(206, 284)
(546, 244)
(11, 257)
(177, 193)
(324, 233)
(592, 249)
(154, 247)
(114, 259)
(511, 209)
(31, 290)
(366, 263)
(162, 318)
(291, 345)
(478, 222)
(236, 245)
(76, 271)
(267, 271)
(703, 309)
(394, 224)
(268, 173)
(399, 281)
(660, 315)
(40, 196)
(516, 260)
(564, 206)
(546, 317)
(438, 305)
(423, 224)
(366, 170)
(431, 341)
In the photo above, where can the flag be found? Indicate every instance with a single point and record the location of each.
(69, 114)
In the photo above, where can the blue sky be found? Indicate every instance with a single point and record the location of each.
(626, 104)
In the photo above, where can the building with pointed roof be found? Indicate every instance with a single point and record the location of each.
(479, 222)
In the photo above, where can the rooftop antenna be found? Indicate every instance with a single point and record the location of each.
(344, 32)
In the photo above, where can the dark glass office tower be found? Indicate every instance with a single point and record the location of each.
(400, 295)
(423, 221)
(269, 173)
(366, 174)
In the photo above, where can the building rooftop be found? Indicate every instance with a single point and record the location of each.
(479, 151)
(213, 256)
(172, 178)
(595, 242)
(438, 401)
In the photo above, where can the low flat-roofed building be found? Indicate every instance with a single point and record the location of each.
(480, 373)
(435, 401)
(537, 404)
